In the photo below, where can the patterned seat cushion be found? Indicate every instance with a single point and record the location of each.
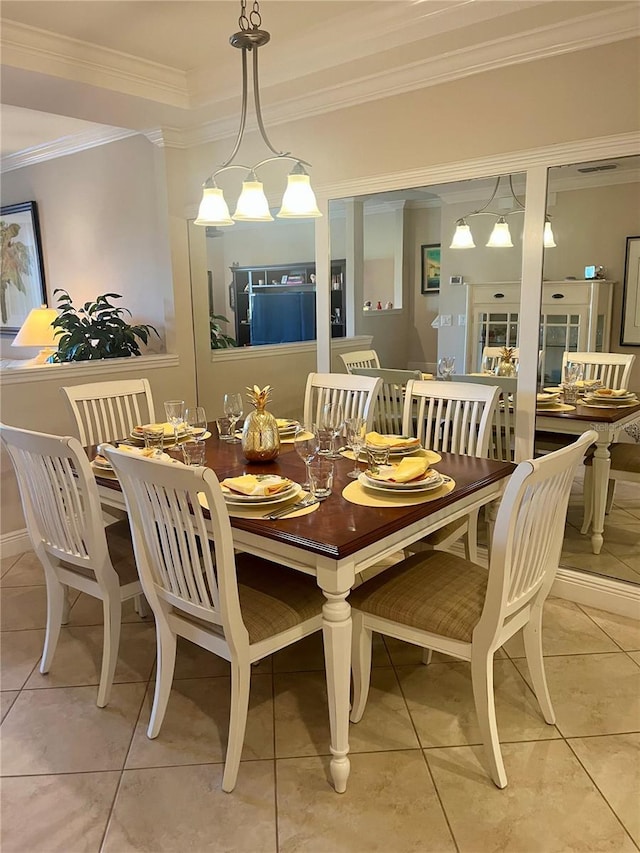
(121, 553)
(436, 592)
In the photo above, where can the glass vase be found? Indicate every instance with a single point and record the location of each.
(260, 437)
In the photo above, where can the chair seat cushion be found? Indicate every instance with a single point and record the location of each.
(274, 598)
(624, 457)
(435, 592)
(121, 552)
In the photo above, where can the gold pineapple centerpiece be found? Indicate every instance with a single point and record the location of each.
(506, 366)
(260, 436)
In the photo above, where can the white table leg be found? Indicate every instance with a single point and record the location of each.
(336, 628)
(601, 468)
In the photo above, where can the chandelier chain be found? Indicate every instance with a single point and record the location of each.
(253, 20)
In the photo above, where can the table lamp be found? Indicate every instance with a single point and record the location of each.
(37, 331)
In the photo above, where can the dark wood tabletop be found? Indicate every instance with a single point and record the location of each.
(338, 528)
(595, 414)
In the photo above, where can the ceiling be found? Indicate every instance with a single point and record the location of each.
(167, 66)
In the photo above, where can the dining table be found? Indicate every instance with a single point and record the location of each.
(608, 423)
(336, 542)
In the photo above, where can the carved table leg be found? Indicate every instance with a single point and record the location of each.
(601, 468)
(336, 627)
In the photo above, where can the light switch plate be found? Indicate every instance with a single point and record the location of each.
(445, 319)
(462, 319)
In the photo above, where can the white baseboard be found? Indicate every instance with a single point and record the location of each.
(14, 543)
(598, 591)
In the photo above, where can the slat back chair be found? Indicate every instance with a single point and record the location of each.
(389, 407)
(106, 411)
(360, 358)
(357, 394)
(492, 355)
(613, 369)
(502, 441)
(447, 604)
(239, 607)
(62, 510)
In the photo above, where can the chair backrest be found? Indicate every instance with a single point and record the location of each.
(613, 369)
(360, 358)
(492, 355)
(502, 441)
(357, 394)
(528, 533)
(106, 411)
(453, 417)
(60, 500)
(181, 564)
(389, 408)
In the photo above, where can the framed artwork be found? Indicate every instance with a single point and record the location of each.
(430, 280)
(630, 326)
(22, 284)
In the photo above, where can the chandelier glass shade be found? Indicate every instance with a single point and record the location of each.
(500, 237)
(299, 201)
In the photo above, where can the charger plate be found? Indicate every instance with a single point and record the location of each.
(555, 407)
(430, 455)
(356, 494)
(255, 512)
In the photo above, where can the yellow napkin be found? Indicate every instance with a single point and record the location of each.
(409, 469)
(376, 440)
(610, 392)
(249, 484)
(168, 429)
(283, 423)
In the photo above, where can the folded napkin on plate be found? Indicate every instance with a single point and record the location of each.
(285, 422)
(251, 485)
(137, 451)
(374, 439)
(610, 392)
(409, 469)
(169, 430)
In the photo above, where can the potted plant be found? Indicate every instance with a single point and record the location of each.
(96, 330)
(218, 338)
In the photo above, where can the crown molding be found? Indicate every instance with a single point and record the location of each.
(44, 52)
(64, 146)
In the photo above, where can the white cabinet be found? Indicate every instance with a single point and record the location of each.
(576, 315)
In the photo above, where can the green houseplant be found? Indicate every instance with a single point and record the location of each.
(218, 338)
(96, 330)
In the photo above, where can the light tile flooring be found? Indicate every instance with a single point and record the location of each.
(79, 778)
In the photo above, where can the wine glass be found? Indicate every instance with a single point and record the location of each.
(356, 427)
(174, 413)
(234, 410)
(307, 443)
(446, 366)
(196, 419)
(332, 419)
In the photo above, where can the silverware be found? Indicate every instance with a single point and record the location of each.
(280, 513)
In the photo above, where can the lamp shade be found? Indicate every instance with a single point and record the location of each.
(299, 200)
(500, 236)
(213, 208)
(462, 237)
(252, 205)
(36, 331)
(547, 238)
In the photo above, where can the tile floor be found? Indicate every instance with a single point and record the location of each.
(79, 778)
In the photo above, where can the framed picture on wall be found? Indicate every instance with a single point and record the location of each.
(22, 284)
(430, 280)
(630, 327)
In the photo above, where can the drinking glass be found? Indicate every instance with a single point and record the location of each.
(355, 439)
(193, 452)
(321, 477)
(234, 410)
(196, 419)
(154, 437)
(332, 419)
(174, 413)
(446, 366)
(377, 456)
(307, 444)
(224, 429)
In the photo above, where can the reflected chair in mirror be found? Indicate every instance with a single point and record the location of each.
(62, 510)
(107, 411)
(360, 358)
(625, 467)
(452, 417)
(491, 356)
(239, 607)
(389, 407)
(613, 369)
(356, 394)
(502, 441)
(445, 603)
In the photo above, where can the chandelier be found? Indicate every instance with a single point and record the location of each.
(500, 237)
(298, 201)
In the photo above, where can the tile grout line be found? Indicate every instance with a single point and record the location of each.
(604, 630)
(275, 759)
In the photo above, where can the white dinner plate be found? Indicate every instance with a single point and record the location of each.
(236, 498)
(385, 486)
(99, 465)
(397, 451)
(620, 403)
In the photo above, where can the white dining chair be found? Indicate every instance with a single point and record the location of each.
(360, 358)
(107, 411)
(491, 356)
(445, 603)
(502, 440)
(240, 607)
(356, 394)
(451, 417)
(613, 369)
(389, 408)
(62, 511)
